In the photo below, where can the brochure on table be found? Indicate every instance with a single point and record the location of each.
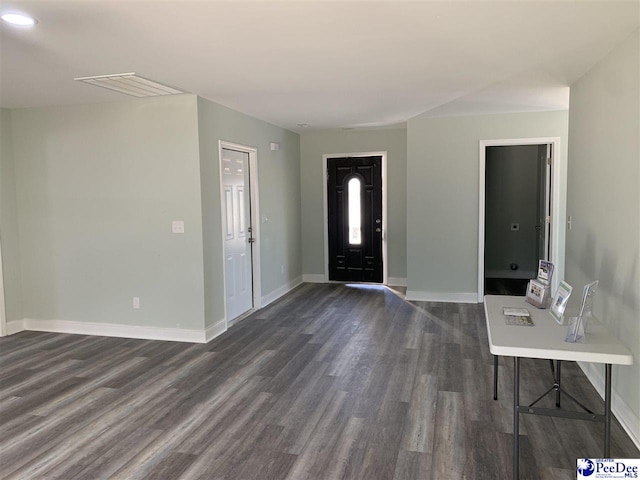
(517, 316)
(539, 289)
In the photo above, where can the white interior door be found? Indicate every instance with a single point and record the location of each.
(236, 224)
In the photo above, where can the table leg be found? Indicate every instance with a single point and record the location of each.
(495, 377)
(607, 411)
(516, 418)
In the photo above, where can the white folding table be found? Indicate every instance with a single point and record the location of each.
(545, 340)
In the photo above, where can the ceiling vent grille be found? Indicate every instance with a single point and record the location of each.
(131, 84)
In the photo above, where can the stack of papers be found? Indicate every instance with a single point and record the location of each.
(517, 316)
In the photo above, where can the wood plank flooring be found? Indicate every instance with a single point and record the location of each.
(329, 382)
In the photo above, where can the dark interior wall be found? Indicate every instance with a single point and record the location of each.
(512, 197)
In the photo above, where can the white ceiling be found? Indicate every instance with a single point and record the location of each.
(328, 64)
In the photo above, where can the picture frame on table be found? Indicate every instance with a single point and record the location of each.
(578, 325)
(588, 292)
(559, 302)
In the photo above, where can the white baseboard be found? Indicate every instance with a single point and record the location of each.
(446, 297)
(214, 330)
(278, 292)
(313, 278)
(396, 281)
(116, 330)
(15, 326)
(627, 417)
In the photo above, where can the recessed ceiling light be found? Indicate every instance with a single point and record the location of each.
(303, 125)
(18, 19)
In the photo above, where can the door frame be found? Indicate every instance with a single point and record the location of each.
(555, 202)
(325, 208)
(255, 223)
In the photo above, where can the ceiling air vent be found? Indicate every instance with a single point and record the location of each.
(131, 84)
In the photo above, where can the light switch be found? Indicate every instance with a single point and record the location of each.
(177, 226)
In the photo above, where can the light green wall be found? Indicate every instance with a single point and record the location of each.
(9, 222)
(442, 193)
(279, 199)
(313, 145)
(97, 189)
(604, 204)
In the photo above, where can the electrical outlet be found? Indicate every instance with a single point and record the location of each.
(177, 226)
(136, 303)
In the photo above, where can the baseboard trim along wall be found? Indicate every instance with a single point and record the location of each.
(215, 330)
(627, 418)
(136, 331)
(397, 282)
(15, 326)
(313, 278)
(279, 292)
(445, 297)
(115, 330)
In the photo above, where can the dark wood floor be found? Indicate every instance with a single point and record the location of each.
(329, 382)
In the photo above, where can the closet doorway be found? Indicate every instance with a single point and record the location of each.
(517, 202)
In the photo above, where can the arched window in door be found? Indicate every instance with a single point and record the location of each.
(354, 188)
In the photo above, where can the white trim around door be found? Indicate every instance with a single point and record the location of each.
(326, 208)
(556, 224)
(255, 221)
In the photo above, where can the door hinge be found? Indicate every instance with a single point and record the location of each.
(549, 219)
(548, 160)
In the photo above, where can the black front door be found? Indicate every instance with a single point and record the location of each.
(354, 196)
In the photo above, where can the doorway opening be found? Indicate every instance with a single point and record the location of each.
(518, 213)
(240, 233)
(355, 218)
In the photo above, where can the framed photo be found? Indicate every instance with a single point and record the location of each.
(578, 325)
(587, 299)
(545, 272)
(537, 294)
(559, 302)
